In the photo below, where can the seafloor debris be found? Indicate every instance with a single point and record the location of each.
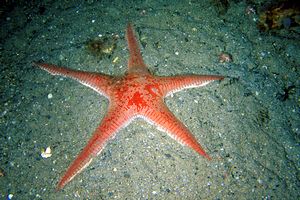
(250, 10)
(290, 90)
(225, 57)
(101, 46)
(10, 196)
(221, 6)
(284, 14)
(46, 153)
(1, 172)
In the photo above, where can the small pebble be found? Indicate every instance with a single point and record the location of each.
(225, 57)
(50, 96)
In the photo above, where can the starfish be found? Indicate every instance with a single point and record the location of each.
(136, 94)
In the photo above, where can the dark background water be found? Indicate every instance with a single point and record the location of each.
(249, 123)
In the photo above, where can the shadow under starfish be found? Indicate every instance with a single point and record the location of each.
(136, 94)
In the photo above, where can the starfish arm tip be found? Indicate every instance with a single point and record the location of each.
(208, 157)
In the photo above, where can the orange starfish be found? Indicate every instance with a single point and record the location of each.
(137, 94)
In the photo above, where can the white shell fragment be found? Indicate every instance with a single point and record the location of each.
(10, 196)
(46, 153)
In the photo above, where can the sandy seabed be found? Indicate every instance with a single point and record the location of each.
(248, 123)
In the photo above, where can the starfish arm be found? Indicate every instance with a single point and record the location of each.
(165, 120)
(96, 81)
(109, 126)
(135, 61)
(174, 84)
